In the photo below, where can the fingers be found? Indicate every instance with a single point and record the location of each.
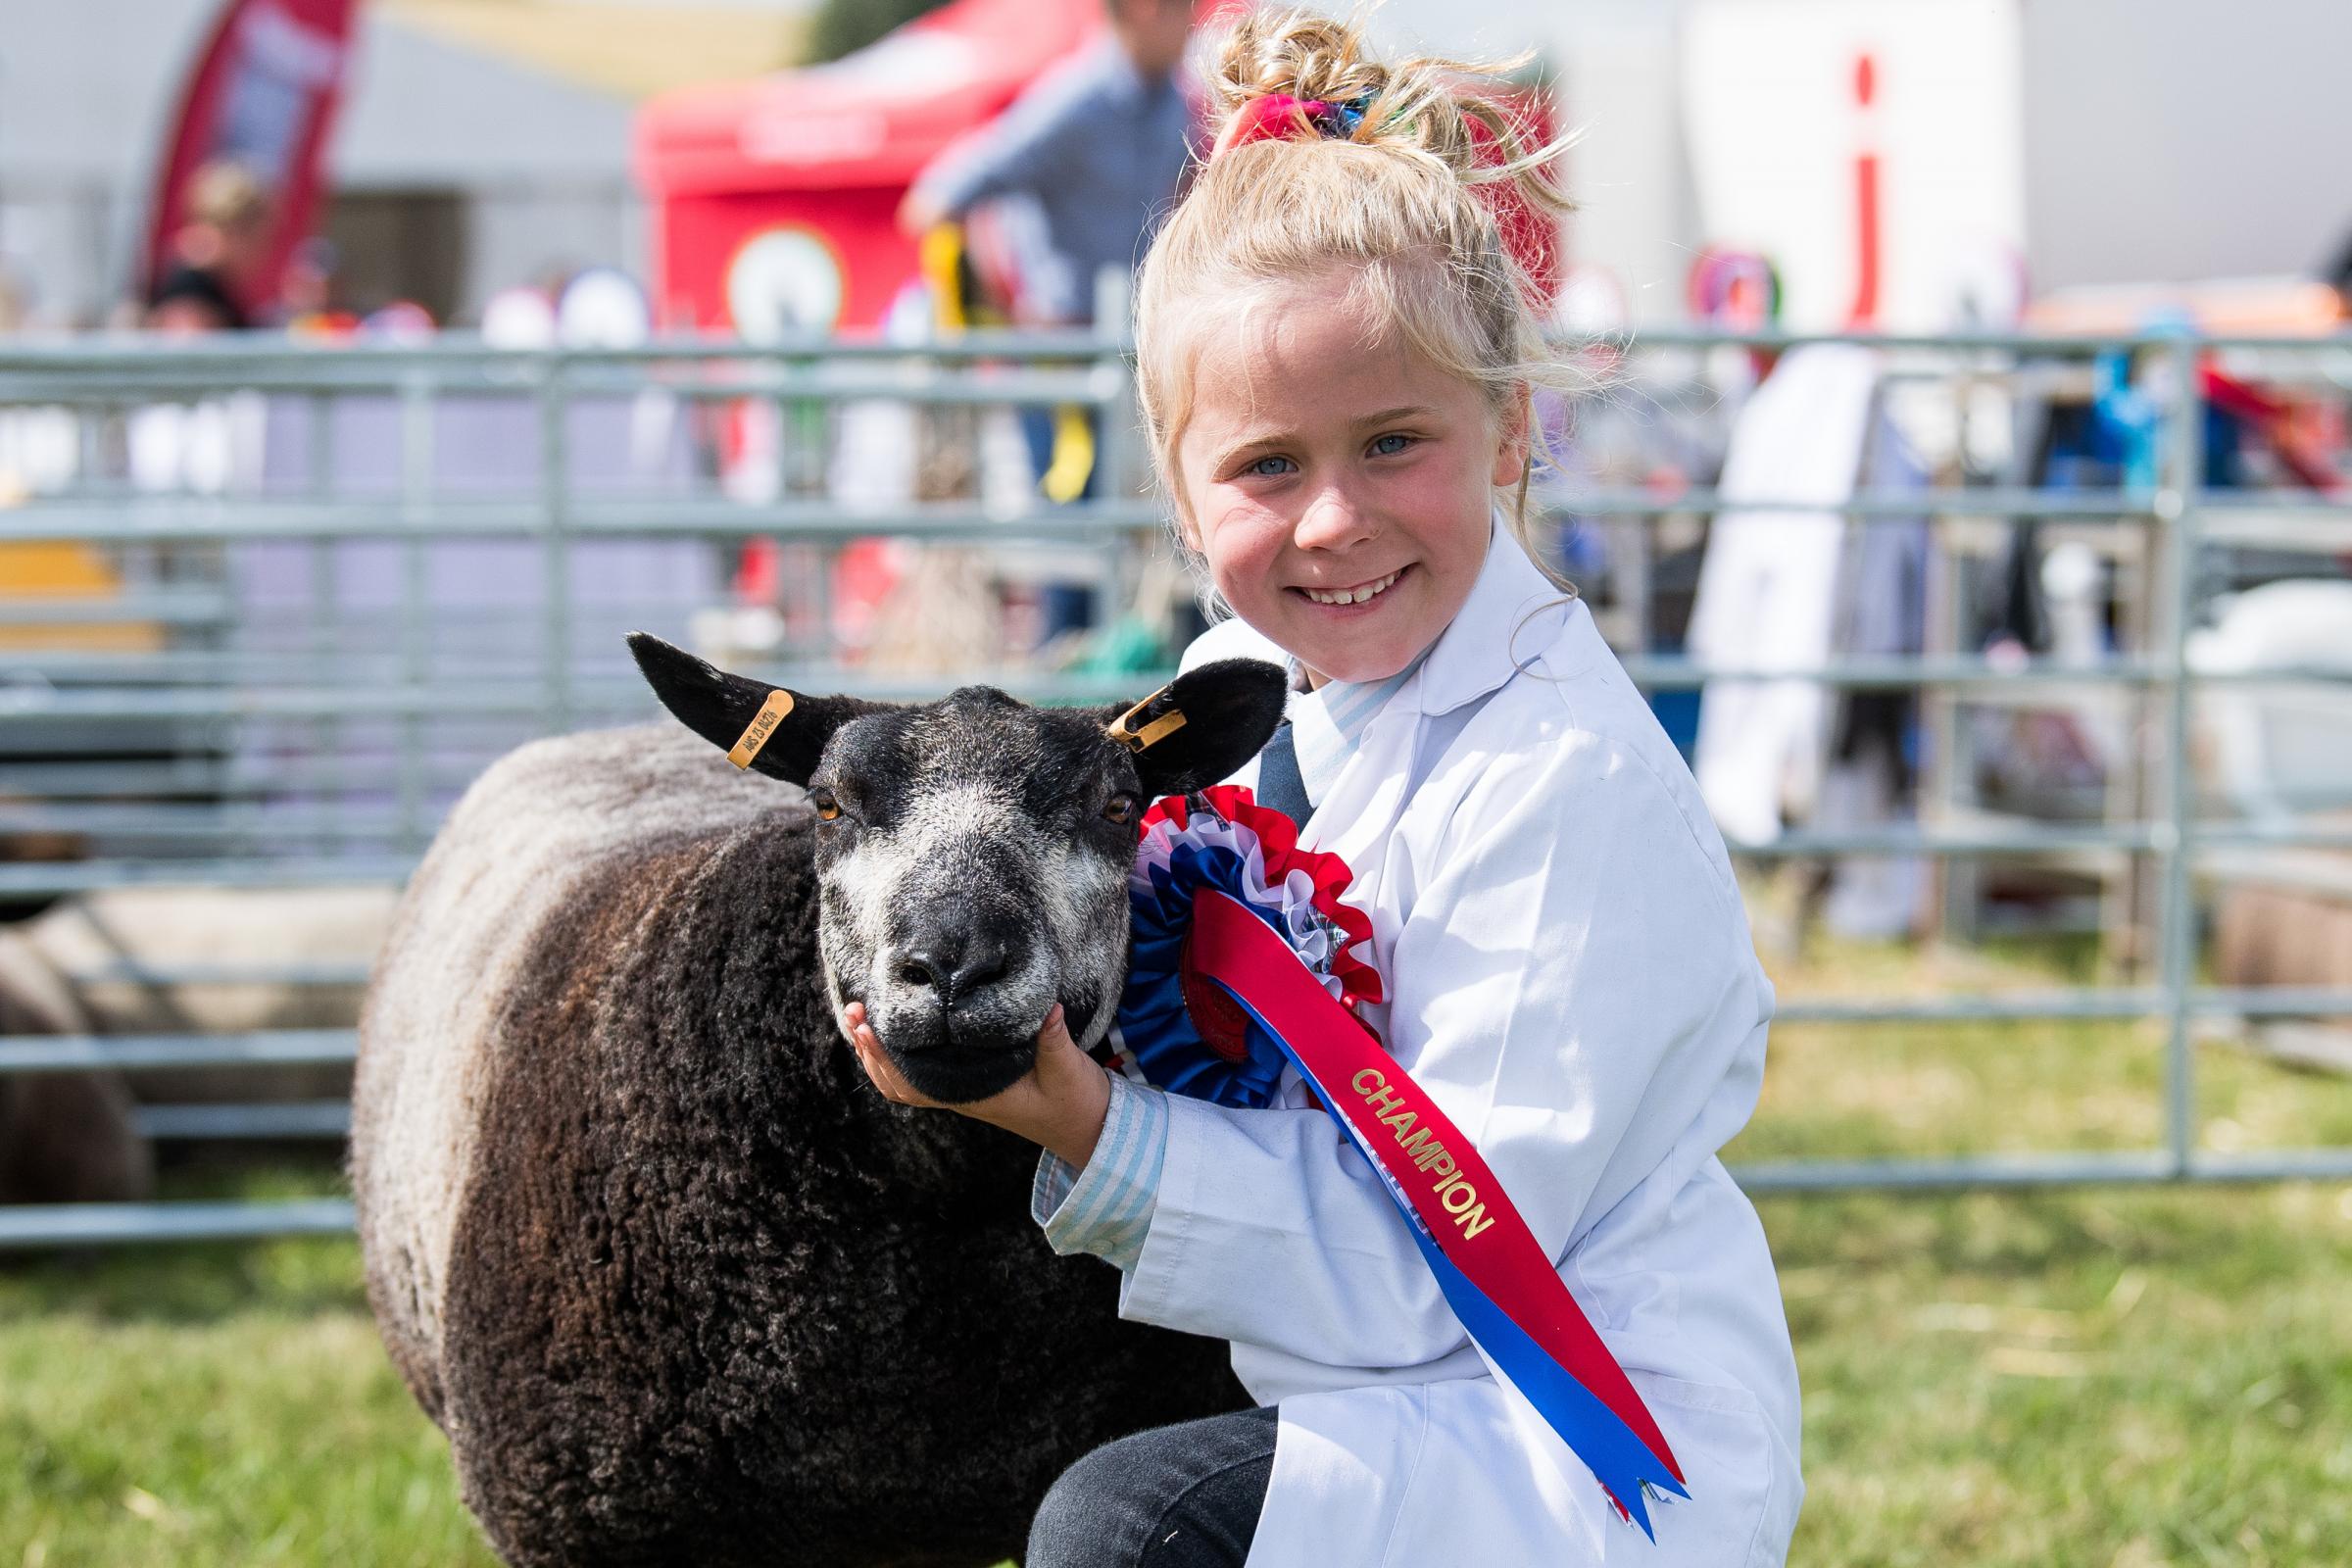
(1071, 1094)
(1060, 1062)
(880, 1070)
(1058, 1056)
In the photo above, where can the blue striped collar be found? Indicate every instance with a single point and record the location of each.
(1328, 722)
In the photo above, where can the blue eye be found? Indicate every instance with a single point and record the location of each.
(1388, 446)
(1262, 469)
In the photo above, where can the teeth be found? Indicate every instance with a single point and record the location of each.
(1351, 595)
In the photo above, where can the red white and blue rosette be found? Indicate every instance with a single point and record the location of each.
(1184, 1033)
(1244, 961)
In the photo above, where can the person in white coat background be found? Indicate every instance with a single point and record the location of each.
(1336, 356)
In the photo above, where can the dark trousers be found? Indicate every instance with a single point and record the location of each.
(1180, 1496)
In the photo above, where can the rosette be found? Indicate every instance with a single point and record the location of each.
(1185, 1033)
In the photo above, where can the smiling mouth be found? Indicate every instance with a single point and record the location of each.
(1361, 592)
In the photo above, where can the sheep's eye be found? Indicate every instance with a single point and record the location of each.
(828, 808)
(1122, 809)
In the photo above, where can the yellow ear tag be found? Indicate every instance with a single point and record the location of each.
(763, 725)
(1160, 729)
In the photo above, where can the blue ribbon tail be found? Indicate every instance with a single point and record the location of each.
(1619, 1459)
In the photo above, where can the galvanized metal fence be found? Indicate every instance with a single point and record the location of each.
(310, 654)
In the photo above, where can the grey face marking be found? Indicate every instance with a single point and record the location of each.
(971, 881)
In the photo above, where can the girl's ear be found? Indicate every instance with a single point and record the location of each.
(1514, 438)
(1202, 725)
(1188, 532)
(722, 708)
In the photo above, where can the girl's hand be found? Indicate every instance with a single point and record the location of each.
(1060, 1102)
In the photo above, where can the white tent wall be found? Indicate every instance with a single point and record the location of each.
(2176, 139)
(544, 164)
(2165, 139)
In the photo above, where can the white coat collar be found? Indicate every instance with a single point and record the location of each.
(1500, 630)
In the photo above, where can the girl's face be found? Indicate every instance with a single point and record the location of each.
(1339, 485)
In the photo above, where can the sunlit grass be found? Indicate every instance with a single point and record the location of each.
(2115, 1379)
(222, 1405)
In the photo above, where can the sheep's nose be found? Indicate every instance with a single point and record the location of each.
(953, 964)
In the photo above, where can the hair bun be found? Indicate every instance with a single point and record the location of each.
(1443, 110)
(1298, 54)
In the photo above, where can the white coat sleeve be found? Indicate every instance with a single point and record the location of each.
(1571, 985)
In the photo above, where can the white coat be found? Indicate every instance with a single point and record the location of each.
(1571, 978)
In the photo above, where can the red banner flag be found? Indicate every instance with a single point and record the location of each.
(239, 178)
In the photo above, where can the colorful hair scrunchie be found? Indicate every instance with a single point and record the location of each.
(1279, 117)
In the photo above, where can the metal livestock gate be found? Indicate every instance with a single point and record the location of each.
(319, 666)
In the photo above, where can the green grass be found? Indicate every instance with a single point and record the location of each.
(213, 1406)
(2110, 1378)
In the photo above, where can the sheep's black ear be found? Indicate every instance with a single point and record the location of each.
(720, 707)
(1229, 710)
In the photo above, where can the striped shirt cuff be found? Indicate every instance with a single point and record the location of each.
(1107, 1207)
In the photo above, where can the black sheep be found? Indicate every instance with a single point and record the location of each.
(678, 1285)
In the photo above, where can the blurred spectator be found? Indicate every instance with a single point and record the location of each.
(307, 300)
(227, 226)
(191, 300)
(208, 446)
(228, 218)
(1099, 144)
(2341, 273)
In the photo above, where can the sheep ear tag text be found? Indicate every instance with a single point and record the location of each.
(1244, 961)
(762, 725)
(1121, 728)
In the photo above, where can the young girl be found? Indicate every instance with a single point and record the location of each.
(1336, 363)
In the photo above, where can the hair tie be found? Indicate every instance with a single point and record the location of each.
(1279, 117)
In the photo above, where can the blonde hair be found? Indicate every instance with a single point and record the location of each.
(227, 194)
(1401, 205)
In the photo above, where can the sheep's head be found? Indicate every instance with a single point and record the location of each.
(972, 854)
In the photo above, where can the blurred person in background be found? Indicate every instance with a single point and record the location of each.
(307, 300)
(209, 446)
(1099, 143)
(215, 253)
(2339, 273)
(191, 300)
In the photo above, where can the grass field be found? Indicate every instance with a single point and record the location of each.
(2114, 1379)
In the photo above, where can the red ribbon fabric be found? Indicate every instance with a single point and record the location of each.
(1269, 117)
